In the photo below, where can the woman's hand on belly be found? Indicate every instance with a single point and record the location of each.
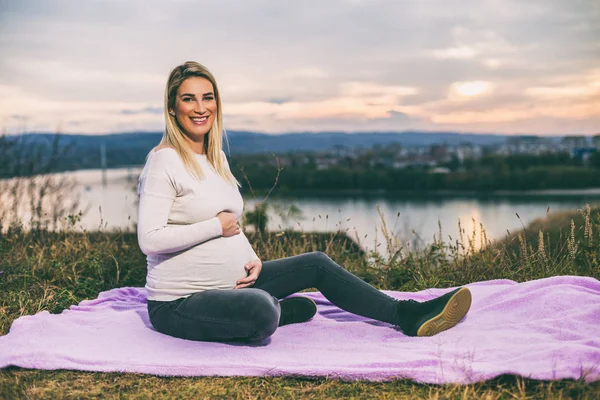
(253, 267)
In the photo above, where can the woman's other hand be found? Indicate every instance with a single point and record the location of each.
(254, 267)
(229, 223)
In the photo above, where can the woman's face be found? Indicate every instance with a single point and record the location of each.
(195, 107)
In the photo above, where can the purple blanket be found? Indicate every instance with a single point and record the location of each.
(544, 329)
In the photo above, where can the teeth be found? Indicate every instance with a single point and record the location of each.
(199, 119)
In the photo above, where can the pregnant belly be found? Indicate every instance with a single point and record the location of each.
(221, 261)
(215, 264)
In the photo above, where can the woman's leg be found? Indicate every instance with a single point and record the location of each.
(218, 315)
(289, 275)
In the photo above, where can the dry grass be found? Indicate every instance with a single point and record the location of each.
(53, 270)
(46, 269)
(15, 383)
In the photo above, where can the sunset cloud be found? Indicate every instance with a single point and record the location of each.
(570, 86)
(455, 52)
(491, 66)
(356, 100)
(470, 89)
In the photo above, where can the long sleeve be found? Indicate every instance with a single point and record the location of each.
(154, 236)
(156, 194)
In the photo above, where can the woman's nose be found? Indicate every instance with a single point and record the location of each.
(200, 109)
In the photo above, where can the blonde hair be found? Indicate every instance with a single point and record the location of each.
(174, 137)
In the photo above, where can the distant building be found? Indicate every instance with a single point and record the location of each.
(325, 162)
(467, 151)
(583, 153)
(527, 144)
(596, 141)
(570, 143)
(400, 164)
(341, 150)
(438, 151)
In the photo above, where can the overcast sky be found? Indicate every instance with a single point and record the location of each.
(338, 65)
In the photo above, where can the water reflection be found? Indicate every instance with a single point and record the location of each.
(414, 219)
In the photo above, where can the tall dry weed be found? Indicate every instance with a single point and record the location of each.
(30, 197)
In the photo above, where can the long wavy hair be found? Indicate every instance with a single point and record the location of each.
(213, 140)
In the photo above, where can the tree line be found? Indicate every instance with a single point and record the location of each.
(489, 173)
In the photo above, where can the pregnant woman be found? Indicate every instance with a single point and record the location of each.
(204, 280)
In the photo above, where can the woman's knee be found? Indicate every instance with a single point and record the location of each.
(322, 260)
(263, 314)
(319, 257)
(263, 329)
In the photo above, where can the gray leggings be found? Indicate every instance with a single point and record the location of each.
(252, 313)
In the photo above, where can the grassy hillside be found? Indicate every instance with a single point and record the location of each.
(51, 271)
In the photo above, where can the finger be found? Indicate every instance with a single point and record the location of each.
(243, 285)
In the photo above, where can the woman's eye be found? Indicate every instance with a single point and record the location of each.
(209, 98)
(187, 98)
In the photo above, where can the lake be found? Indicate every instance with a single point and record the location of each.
(412, 219)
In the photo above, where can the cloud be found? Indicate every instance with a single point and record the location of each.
(102, 66)
(455, 52)
(306, 72)
(464, 90)
(280, 100)
(375, 89)
(355, 100)
(557, 92)
(582, 85)
(146, 110)
(562, 111)
(31, 112)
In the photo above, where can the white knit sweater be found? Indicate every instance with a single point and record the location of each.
(180, 233)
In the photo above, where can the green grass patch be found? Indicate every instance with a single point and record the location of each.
(53, 270)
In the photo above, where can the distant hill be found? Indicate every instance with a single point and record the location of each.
(127, 149)
(251, 142)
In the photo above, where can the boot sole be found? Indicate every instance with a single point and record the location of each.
(298, 316)
(454, 311)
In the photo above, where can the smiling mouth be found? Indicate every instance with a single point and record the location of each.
(199, 120)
